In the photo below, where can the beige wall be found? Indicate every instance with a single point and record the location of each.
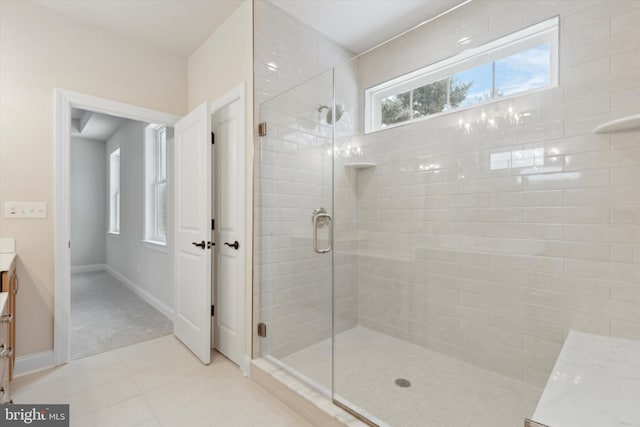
(41, 50)
(222, 62)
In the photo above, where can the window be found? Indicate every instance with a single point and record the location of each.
(114, 191)
(156, 184)
(518, 63)
(518, 159)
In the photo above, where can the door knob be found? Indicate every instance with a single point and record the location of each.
(235, 245)
(201, 244)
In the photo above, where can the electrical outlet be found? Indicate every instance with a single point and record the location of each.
(25, 210)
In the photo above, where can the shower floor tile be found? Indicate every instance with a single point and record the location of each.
(444, 392)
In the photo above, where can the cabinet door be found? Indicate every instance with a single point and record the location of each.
(5, 362)
(12, 325)
(4, 343)
(5, 385)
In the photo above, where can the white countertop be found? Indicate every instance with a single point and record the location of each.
(4, 296)
(7, 253)
(6, 260)
(595, 383)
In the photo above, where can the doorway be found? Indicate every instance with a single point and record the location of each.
(66, 103)
(198, 310)
(209, 221)
(120, 276)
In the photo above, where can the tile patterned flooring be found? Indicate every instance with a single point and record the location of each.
(155, 383)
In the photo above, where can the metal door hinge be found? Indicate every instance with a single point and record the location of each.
(213, 138)
(213, 310)
(213, 224)
(69, 244)
(262, 129)
(262, 330)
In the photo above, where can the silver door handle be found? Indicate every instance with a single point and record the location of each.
(327, 219)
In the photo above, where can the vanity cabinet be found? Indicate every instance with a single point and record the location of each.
(8, 319)
(6, 351)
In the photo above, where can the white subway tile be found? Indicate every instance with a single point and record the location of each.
(576, 179)
(494, 266)
(625, 329)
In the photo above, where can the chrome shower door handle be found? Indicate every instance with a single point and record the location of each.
(318, 218)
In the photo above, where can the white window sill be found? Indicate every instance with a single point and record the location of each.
(156, 246)
(113, 235)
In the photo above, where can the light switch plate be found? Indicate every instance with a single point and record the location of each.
(25, 210)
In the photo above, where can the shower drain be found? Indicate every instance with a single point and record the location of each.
(403, 382)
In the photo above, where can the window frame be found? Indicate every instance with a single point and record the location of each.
(152, 182)
(519, 41)
(115, 204)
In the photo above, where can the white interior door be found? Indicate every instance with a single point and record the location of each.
(228, 126)
(192, 213)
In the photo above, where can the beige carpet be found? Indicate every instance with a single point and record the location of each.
(105, 315)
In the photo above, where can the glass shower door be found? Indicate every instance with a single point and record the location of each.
(293, 232)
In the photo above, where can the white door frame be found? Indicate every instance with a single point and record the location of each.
(64, 102)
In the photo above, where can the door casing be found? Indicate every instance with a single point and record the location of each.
(237, 94)
(64, 102)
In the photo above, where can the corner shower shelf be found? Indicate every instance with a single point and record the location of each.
(619, 125)
(360, 165)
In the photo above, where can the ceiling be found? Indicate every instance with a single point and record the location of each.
(91, 125)
(360, 25)
(179, 26)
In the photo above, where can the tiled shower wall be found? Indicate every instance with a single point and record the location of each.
(293, 176)
(288, 52)
(495, 265)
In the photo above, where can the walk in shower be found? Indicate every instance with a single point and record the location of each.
(434, 216)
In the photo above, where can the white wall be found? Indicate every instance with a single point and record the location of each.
(41, 50)
(88, 207)
(224, 61)
(144, 265)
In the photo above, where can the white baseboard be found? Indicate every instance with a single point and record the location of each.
(150, 299)
(33, 363)
(87, 268)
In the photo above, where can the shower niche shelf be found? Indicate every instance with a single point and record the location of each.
(619, 125)
(360, 165)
